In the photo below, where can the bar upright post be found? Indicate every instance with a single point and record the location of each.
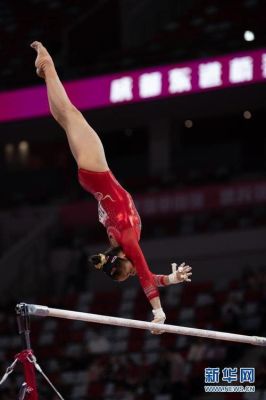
(26, 357)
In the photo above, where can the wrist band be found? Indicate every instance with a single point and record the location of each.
(172, 278)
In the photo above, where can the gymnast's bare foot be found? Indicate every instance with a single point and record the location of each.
(43, 59)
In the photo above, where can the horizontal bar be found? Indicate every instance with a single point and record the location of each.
(44, 311)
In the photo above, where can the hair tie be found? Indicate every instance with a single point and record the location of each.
(102, 261)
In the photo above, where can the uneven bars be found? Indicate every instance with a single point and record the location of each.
(44, 311)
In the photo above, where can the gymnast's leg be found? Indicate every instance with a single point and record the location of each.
(84, 142)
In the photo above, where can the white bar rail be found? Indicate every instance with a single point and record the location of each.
(44, 311)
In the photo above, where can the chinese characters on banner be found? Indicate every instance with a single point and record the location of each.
(169, 203)
(201, 199)
(142, 85)
(194, 77)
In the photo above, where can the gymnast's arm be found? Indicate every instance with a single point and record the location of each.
(130, 246)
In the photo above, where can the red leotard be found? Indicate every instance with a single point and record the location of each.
(118, 214)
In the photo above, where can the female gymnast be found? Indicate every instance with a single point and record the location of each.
(116, 209)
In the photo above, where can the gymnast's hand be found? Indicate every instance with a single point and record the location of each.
(181, 274)
(159, 318)
(43, 59)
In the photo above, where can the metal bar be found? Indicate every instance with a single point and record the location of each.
(44, 311)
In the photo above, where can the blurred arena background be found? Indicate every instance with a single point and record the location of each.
(194, 161)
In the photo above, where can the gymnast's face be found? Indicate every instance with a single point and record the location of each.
(127, 268)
